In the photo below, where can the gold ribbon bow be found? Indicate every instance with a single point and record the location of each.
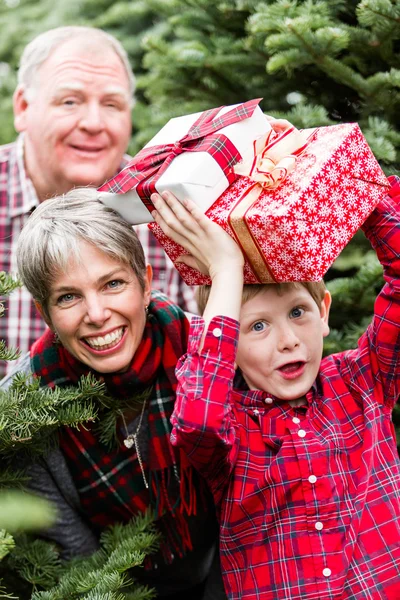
(273, 159)
(274, 154)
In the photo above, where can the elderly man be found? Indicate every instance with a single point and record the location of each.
(72, 108)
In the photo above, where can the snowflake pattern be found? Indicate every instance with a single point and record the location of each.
(312, 243)
(301, 227)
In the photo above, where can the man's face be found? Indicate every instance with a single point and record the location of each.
(280, 342)
(77, 121)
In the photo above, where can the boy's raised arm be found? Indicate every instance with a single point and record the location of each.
(203, 423)
(382, 338)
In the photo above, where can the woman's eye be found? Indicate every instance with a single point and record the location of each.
(114, 284)
(297, 312)
(65, 298)
(259, 326)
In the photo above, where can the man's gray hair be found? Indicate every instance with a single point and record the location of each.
(40, 48)
(52, 235)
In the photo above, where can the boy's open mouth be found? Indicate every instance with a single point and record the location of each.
(291, 367)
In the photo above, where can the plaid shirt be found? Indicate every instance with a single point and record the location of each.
(308, 497)
(22, 325)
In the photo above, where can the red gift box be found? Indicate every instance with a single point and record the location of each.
(296, 228)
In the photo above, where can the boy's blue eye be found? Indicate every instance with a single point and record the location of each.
(258, 326)
(297, 312)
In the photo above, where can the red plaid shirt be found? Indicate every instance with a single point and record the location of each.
(22, 325)
(308, 497)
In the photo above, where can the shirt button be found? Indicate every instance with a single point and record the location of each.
(319, 526)
(296, 420)
(268, 401)
(217, 332)
(256, 411)
(301, 433)
(312, 479)
(326, 572)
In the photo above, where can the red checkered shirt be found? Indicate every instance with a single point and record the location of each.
(22, 325)
(308, 497)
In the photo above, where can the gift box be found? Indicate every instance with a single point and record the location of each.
(293, 221)
(192, 156)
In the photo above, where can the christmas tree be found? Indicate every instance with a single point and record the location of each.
(29, 566)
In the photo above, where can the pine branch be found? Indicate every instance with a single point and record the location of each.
(111, 538)
(140, 593)
(382, 16)
(32, 415)
(36, 561)
(7, 543)
(106, 572)
(4, 594)
(11, 477)
(7, 353)
(8, 284)
(107, 596)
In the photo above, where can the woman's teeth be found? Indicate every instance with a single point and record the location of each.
(107, 341)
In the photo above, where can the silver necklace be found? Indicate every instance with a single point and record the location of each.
(131, 440)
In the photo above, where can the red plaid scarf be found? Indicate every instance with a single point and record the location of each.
(171, 487)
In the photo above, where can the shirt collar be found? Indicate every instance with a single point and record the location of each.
(260, 399)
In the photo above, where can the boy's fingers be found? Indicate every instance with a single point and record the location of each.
(172, 232)
(191, 261)
(167, 213)
(187, 212)
(171, 210)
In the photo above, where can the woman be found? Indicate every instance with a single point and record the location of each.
(86, 271)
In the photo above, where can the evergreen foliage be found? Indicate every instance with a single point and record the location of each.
(105, 574)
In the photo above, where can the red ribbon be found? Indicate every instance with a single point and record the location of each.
(144, 170)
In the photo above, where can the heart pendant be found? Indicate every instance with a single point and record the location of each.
(128, 443)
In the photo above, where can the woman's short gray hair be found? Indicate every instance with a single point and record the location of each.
(40, 48)
(52, 236)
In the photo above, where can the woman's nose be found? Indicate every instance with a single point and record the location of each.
(97, 312)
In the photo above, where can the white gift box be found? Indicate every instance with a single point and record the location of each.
(194, 175)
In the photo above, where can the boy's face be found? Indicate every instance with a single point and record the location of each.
(281, 341)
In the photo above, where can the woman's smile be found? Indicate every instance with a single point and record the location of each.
(108, 341)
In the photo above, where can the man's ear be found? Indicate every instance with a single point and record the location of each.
(20, 106)
(39, 308)
(325, 308)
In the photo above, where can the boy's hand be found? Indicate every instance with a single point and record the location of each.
(212, 250)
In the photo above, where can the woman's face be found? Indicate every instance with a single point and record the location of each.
(97, 308)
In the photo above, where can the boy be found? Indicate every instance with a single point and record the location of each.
(298, 450)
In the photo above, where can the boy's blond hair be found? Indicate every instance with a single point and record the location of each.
(316, 289)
